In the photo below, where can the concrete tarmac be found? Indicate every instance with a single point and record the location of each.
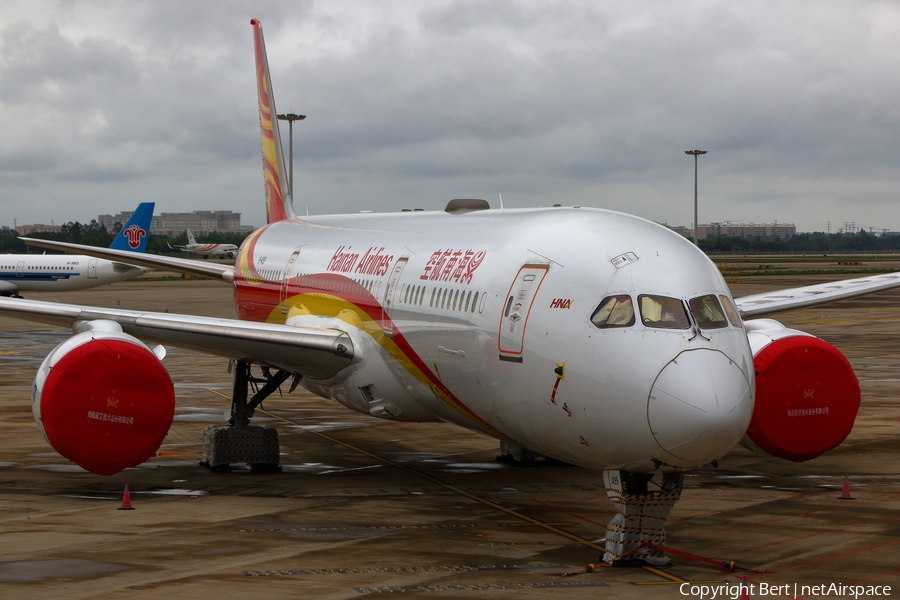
(367, 506)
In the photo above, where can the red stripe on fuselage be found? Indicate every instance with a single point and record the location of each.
(258, 302)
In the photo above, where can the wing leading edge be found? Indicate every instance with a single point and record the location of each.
(317, 353)
(758, 305)
(150, 261)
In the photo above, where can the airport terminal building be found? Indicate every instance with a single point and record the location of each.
(741, 230)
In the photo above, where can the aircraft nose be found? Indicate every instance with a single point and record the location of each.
(699, 406)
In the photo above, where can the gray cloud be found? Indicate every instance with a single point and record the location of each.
(587, 103)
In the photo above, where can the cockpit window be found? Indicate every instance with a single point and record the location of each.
(708, 312)
(614, 311)
(730, 310)
(663, 312)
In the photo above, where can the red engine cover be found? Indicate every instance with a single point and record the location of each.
(807, 397)
(107, 405)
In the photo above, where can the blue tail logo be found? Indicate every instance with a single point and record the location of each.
(136, 232)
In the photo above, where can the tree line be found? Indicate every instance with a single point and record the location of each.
(803, 243)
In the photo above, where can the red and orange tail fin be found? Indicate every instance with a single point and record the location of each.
(278, 200)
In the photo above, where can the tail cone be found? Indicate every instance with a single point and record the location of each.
(845, 495)
(126, 500)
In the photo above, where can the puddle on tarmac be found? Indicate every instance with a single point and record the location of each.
(61, 468)
(323, 469)
(174, 492)
(216, 417)
(463, 468)
(26, 571)
(330, 426)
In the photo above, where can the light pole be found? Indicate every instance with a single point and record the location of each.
(290, 118)
(695, 153)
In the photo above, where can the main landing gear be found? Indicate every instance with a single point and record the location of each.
(239, 441)
(643, 504)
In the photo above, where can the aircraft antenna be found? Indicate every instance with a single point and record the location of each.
(501, 200)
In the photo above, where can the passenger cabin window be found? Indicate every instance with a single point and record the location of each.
(663, 312)
(614, 311)
(708, 312)
(730, 310)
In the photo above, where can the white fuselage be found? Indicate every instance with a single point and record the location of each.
(59, 272)
(484, 320)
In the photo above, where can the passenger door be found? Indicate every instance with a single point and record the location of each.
(519, 299)
(285, 277)
(389, 293)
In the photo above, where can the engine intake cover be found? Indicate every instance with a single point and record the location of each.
(807, 397)
(105, 403)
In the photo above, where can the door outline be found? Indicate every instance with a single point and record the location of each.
(389, 292)
(517, 308)
(20, 269)
(282, 295)
(92, 269)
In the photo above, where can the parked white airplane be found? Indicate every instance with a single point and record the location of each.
(591, 336)
(206, 250)
(64, 272)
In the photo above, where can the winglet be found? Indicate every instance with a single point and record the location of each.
(136, 232)
(278, 200)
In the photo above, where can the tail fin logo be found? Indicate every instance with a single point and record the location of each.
(134, 235)
(272, 155)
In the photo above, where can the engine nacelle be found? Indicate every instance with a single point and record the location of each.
(103, 399)
(807, 395)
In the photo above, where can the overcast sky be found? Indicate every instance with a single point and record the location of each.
(410, 104)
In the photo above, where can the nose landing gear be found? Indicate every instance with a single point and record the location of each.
(633, 533)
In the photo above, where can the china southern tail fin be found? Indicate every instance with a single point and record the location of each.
(136, 232)
(278, 200)
(190, 237)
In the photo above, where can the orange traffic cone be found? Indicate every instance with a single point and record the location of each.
(126, 500)
(745, 589)
(845, 495)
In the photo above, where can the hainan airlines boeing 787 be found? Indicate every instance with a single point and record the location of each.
(591, 336)
(64, 272)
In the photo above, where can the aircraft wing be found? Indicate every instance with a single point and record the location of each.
(150, 261)
(317, 353)
(758, 305)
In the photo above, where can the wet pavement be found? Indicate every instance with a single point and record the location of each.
(367, 506)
